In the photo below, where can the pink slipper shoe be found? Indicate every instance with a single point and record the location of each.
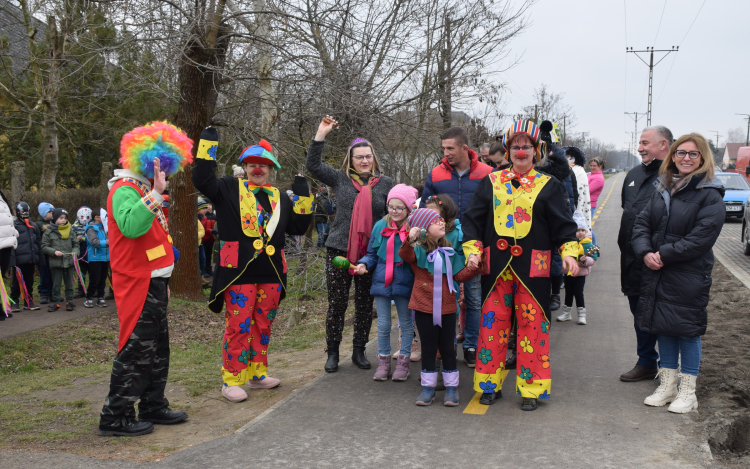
(265, 383)
(233, 393)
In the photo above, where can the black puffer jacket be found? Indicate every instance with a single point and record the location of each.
(29, 250)
(682, 228)
(640, 184)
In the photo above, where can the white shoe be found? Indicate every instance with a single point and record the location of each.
(582, 316)
(565, 316)
(416, 351)
(233, 393)
(667, 390)
(686, 400)
(398, 350)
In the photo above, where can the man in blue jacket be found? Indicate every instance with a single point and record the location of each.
(458, 175)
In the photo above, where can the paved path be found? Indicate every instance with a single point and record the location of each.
(593, 420)
(27, 321)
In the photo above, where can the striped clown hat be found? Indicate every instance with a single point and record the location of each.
(529, 128)
(423, 218)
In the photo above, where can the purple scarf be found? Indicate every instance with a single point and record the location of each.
(437, 281)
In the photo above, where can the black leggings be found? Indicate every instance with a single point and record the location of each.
(434, 338)
(574, 288)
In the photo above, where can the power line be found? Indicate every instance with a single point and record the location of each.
(675, 57)
(661, 18)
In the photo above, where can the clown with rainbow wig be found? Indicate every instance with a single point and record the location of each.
(142, 260)
(514, 221)
(250, 281)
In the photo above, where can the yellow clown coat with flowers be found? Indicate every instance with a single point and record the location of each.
(250, 280)
(515, 222)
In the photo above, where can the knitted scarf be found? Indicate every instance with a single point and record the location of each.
(64, 230)
(360, 227)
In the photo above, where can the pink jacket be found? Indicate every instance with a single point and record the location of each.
(596, 184)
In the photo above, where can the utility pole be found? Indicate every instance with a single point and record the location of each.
(747, 139)
(634, 116)
(651, 65)
(717, 138)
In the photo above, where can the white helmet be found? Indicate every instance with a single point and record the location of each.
(84, 215)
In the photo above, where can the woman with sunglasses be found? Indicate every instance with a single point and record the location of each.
(674, 234)
(361, 193)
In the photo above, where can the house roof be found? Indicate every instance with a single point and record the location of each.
(730, 151)
(13, 34)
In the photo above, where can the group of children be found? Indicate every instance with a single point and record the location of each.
(62, 252)
(417, 261)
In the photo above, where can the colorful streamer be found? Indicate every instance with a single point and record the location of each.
(22, 285)
(6, 301)
(78, 271)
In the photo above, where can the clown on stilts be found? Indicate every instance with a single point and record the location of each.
(142, 260)
(515, 220)
(254, 219)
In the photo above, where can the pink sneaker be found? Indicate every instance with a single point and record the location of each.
(233, 393)
(398, 350)
(416, 351)
(265, 383)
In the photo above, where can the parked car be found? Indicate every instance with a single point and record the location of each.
(736, 195)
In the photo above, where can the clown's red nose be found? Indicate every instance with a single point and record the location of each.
(257, 171)
(520, 154)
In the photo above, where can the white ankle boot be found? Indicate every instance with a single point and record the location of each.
(667, 390)
(686, 400)
(565, 316)
(581, 316)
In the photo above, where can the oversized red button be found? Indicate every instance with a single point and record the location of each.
(516, 250)
(502, 244)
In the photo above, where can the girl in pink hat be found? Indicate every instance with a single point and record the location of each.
(392, 280)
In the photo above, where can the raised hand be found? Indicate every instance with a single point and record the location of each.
(325, 127)
(414, 234)
(160, 177)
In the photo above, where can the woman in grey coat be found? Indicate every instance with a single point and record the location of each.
(361, 191)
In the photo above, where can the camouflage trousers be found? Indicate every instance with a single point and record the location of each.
(140, 370)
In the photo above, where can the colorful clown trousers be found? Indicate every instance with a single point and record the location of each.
(250, 311)
(509, 296)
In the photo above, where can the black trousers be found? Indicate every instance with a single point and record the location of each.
(436, 338)
(339, 282)
(5, 260)
(140, 370)
(574, 288)
(97, 279)
(27, 270)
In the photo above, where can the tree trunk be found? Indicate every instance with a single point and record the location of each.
(104, 177)
(198, 95)
(50, 95)
(17, 182)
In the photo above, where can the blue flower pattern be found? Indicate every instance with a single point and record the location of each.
(238, 298)
(487, 319)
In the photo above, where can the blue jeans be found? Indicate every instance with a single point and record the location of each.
(647, 354)
(202, 259)
(322, 233)
(383, 306)
(687, 349)
(473, 300)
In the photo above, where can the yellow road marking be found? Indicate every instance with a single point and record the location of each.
(474, 407)
(596, 216)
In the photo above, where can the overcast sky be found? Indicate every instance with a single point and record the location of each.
(577, 47)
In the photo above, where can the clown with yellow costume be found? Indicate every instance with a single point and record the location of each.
(253, 219)
(515, 220)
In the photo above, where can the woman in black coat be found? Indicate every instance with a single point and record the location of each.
(674, 235)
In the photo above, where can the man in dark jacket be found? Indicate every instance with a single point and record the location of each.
(26, 257)
(458, 175)
(639, 186)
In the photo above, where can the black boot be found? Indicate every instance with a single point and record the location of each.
(554, 302)
(358, 354)
(332, 364)
(125, 426)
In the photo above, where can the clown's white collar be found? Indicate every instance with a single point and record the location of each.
(126, 173)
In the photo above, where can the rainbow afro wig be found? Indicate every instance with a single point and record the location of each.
(141, 145)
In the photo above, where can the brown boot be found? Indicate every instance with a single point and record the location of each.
(639, 373)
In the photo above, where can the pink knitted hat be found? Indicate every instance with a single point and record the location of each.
(404, 193)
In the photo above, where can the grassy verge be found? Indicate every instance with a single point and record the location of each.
(42, 373)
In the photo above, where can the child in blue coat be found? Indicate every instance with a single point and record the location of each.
(392, 280)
